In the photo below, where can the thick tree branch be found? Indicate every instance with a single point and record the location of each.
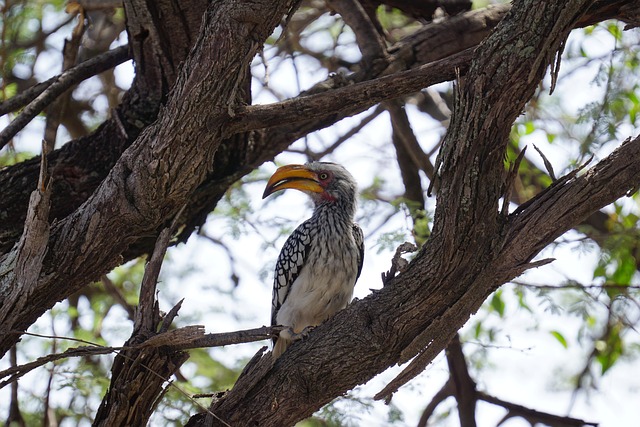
(459, 265)
(156, 175)
(348, 100)
(465, 386)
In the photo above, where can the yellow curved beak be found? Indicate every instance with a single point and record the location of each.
(297, 177)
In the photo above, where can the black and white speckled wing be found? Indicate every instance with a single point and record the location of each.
(358, 236)
(290, 262)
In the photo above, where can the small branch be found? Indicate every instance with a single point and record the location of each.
(31, 248)
(531, 415)
(228, 338)
(16, 372)
(550, 190)
(15, 416)
(177, 339)
(357, 128)
(112, 290)
(446, 391)
(43, 94)
(56, 110)
(147, 315)
(465, 386)
(408, 158)
(371, 44)
(511, 177)
(398, 264)
(576, 285)
(147, 312)
(347, 100)
(547, 163)
(402, 127)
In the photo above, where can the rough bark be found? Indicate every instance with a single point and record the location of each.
(154, 177)
(80, 166)
(473, 249)
(138, 376)
(160, 36)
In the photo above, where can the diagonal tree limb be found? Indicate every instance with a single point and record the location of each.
(407, 152)
(70, 77)
(348, 100)
(155, 176)
(32, 248)
(57, 109)
(54, 88)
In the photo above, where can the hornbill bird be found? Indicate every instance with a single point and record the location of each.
(321, 260)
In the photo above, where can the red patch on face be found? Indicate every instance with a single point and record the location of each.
(328, 197)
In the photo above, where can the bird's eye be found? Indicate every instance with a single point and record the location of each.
(323, 176)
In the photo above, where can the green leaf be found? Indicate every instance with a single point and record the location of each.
(529, 128)
(551, 137)
(497, 303)
(600, 271)
(561, 339)
(625, 270)
(477, 331)
(615, 30)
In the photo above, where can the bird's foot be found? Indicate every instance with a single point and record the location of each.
(290, 335)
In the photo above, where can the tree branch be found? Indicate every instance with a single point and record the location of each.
(465, 386)
(371, 44)
(348, 100)
(155, 177)
(43, 94)
(186, 338)
(533, 416)
(461, 263)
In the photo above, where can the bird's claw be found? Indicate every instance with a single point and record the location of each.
(296, 336)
